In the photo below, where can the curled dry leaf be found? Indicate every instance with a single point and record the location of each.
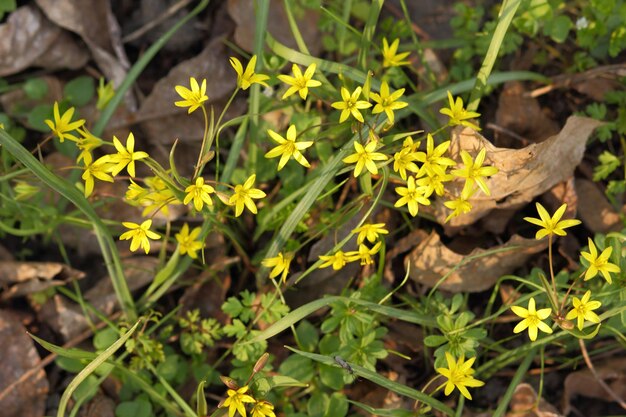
(27, 397)
(95, 23)
(23, 278)
(524, 404)
(612, 372)
(595, 211)
(477, 271)
(29, 39)
(523, 173)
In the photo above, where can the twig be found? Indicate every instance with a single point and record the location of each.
(603, 384)
(153, 23)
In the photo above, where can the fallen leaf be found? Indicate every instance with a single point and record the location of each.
(95, 23)
(19, 398)
(523, 173)
(477, 271)
(24, 278)
(243, 13)
(29, 39)
(583, 383)
(524, 404)
(595, 211)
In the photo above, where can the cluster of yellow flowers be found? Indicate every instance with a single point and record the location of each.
(582, 308)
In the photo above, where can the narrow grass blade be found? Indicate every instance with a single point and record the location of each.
(509, 7)
(368, 33)
(382, 381)
(89, 369)
(517, 378)
(301, 312)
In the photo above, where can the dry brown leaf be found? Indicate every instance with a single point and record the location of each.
(612, 372)
(95, 23)
(24, 278)
(523, 173)
(477, 271)
(29, 39)
(595, 211)
(243, 13)
(524, 404)
(28, 397)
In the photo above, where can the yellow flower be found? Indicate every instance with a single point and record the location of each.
(364, 254)
(288, 147)
(139, 235)
(246, 78)
(62, 125)
(263, 409)
(551, 225)
(433, 161)
(365, 157)
(200, 193)
(244, 193)
(192, 98)
(457, 114)
(236, 400)
(98, 169)
(280, 264)
(459, 205)
(459, 374)
(583, 310)
(338, 260)
(105, 93)
(532, 319)
(434, 184)
(388, 102)
(599, 263)
(473, 172)
(412, 196)
(350, 105)
(300, 82)
(87, 142)
(187, 242)
(403, 161)
(391, 57)
(370, 231)
(125, 156)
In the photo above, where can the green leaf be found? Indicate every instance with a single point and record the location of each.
(317, 405)
(285, 381)
(72, 353)
(331, 376)
(582, 335)
(382, 381)
(37, 115)
(105, 338)
(70, 364)
(559, 28)
(338, 406)
(434, 340)
(201, 404)
(307, 336)
(608, 164)
(297, 367)
(86, 389)
(80, 90)
(136, 408)
(233, 307)
(35, 88)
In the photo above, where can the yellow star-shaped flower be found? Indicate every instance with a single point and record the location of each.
(459, 374)
(139, 235)
(300, 83)
(551, 225)
(280, 264)
(388, 102)
(599, 263)
(188, 242)
(474, 172)
(248, 77)
(412, 196)
(200, 193)
(288, 148)
(350, 105)
(243, 195)
(236, 401)
(98, 169)
(365, 157)
(583, 310)
(532, 319)
(192, 98)
(370, 231)
(125, 156)
(62, 125)
(391, 57)
(457, 114)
